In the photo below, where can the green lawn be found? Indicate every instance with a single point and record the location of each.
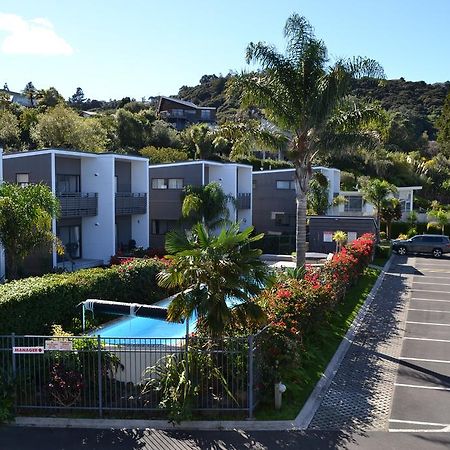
(320, 347)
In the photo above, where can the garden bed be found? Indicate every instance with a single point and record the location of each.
(319, 347)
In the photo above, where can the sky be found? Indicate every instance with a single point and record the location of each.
(140, 48)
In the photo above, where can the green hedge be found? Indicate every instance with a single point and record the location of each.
(33, 305)
(403, 227)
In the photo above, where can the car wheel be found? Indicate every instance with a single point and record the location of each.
(402, 251)
(437, 252)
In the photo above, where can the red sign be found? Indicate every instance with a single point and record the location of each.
(28, 349)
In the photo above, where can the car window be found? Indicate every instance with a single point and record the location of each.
(417, 239)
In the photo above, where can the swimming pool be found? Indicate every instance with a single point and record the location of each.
(145, 327)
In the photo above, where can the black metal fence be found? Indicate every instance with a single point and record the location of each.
(125, 375)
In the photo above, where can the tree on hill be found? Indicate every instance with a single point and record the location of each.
(9, 129)
(49, 97)
(302, 94)
(63, 127)
(443, 124)
(30, 92)
(77, 99)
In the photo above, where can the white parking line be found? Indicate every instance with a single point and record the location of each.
(414, 422)
(438, 292)
(429, 300)
(430, 323)
(431, 388)
(434, 284)
(440, 361)
(426, 339)
(429, 310)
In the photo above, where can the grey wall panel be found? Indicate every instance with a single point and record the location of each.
(122, 171)
(37, 166)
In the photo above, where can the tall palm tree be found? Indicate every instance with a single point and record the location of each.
(307, 97)
(376, 191)
(210, 270)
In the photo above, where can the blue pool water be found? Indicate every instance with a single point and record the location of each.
(145, 327)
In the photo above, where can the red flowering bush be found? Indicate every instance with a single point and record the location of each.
(294, 306)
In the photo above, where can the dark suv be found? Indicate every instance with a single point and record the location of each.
(433, 244)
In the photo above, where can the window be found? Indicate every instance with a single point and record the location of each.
(177, 113)
(67, 183)
(282, 219)
(71, 239)
(159, 183)
(175, 183)
(164, 183)
(205, 114)
(353, 204)
(285, 184)
(161, 226)
(22, 179)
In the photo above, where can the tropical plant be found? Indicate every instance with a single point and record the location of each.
(307, 98)
(317, 196)
(26, 214)
(340, 237)
(376, 191)
(390, 210)
(207, 204)
(212, 270)
(441, 218)
(202, 138)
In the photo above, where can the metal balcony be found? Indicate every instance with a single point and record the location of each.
(244, 201)
(130, 203)
(78, 204)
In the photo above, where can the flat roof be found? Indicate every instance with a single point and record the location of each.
(70, 152)
(199, 161)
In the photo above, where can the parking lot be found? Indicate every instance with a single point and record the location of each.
(422, 388)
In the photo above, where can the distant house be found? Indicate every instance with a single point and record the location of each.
(182, 113)
(17, 97)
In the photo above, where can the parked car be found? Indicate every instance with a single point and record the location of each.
(433, 244)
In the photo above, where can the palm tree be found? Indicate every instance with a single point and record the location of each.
(210, 270)
(390, 210)
(207, 204)
(376, 191)
(307, 98)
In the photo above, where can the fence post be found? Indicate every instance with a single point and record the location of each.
(99, 370)
(13, 344)
(250, 377)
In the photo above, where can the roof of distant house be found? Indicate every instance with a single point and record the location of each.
(184, 103)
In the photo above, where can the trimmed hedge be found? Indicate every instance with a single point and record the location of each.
(33, 305)
(421, 228)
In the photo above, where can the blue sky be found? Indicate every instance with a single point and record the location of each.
(138, 48)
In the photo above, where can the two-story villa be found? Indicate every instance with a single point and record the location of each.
(182, 113)
(104, 200)
(168, 180)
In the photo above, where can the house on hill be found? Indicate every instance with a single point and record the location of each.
(182, 113)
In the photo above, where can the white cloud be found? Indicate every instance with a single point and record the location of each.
(30, 37)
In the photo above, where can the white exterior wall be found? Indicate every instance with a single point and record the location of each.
(226, 176)
(140, 222)
(2, 252)
(245, 186)
(99, 232)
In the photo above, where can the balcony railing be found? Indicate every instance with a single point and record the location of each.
(130, 203)
(78, 204)
(244, 201)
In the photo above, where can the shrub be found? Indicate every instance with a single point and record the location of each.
(434, 228)
(295, 305)
(33, 305)
(383, 235)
